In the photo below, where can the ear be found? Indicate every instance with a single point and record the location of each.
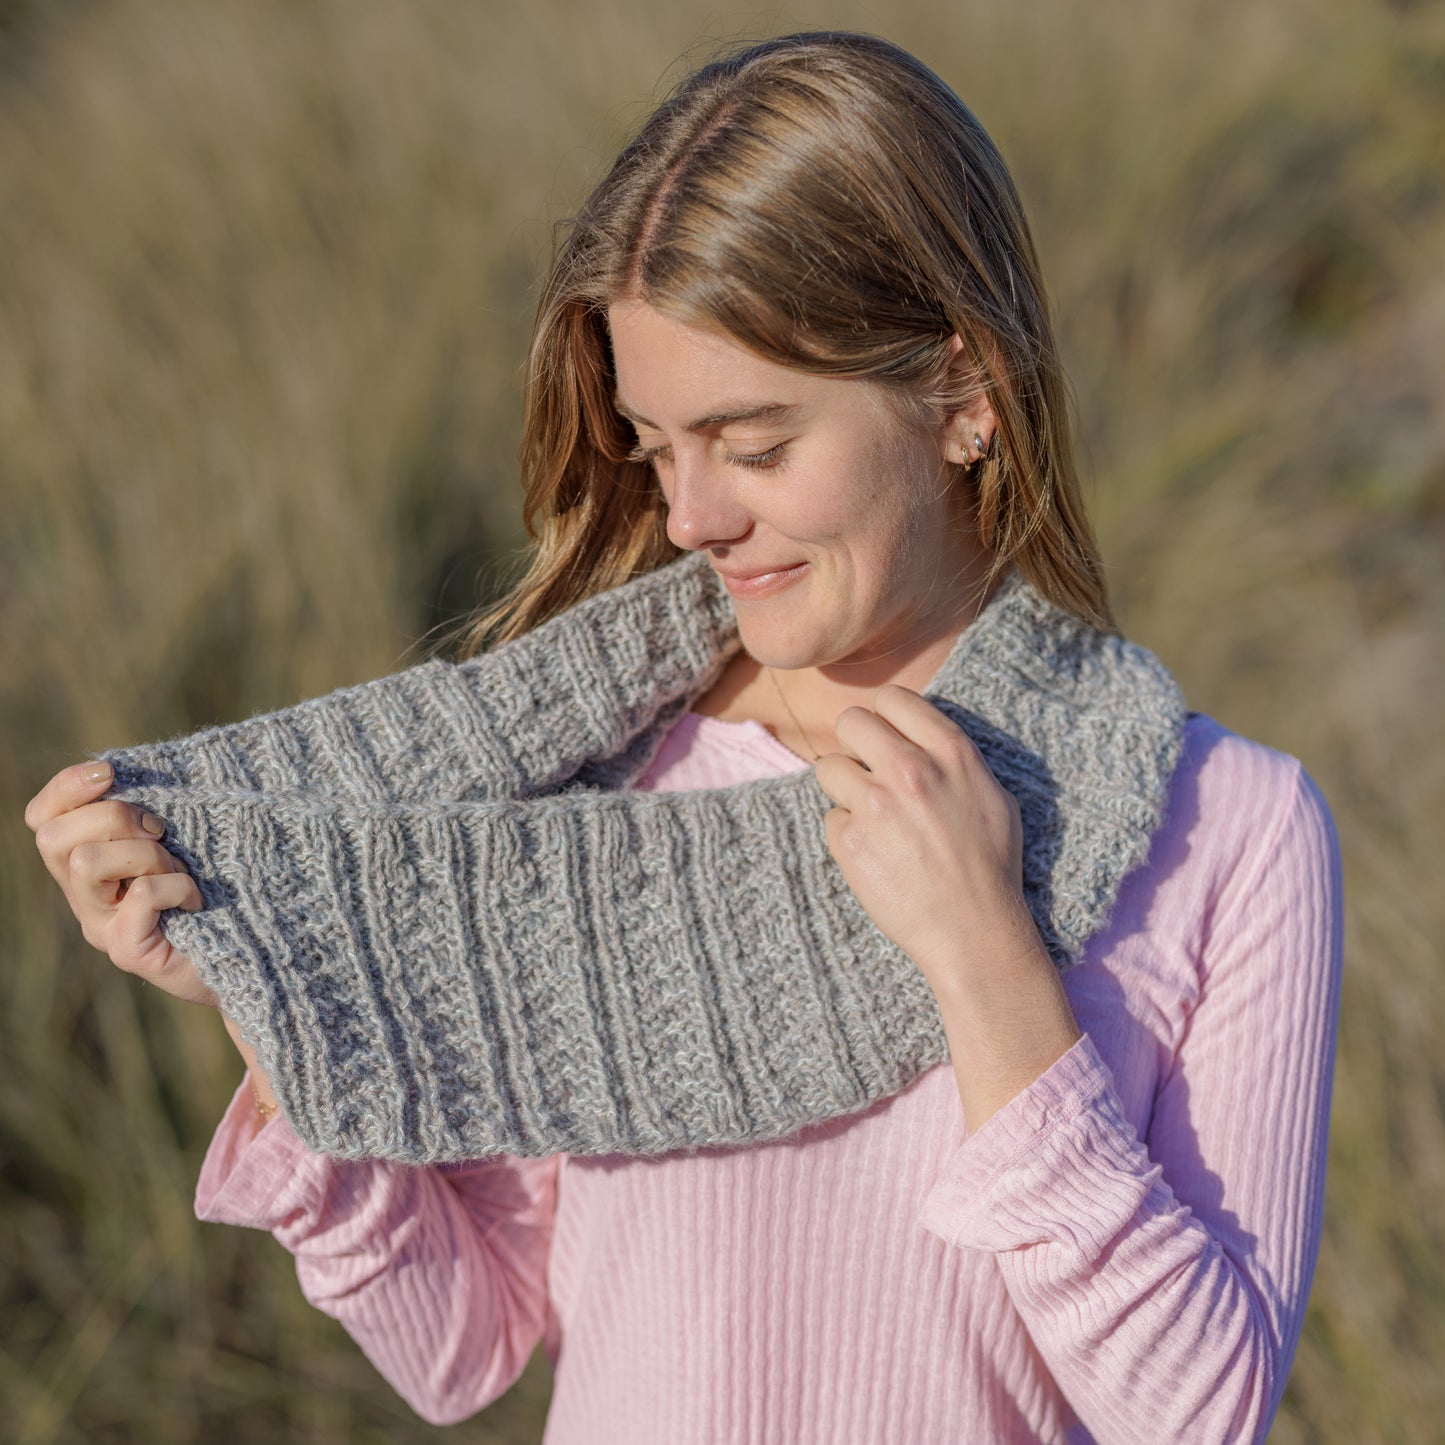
(968, 432)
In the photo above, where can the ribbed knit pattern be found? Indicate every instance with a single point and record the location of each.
(447, 936)
(1122, 1253)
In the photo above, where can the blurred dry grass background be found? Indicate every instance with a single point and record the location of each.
(265, 283)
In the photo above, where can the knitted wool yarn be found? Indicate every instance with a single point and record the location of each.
(448, 933)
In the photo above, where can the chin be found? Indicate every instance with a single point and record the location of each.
(786, 654)
(771, 652)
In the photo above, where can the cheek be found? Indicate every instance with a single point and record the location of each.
(909, 535)
(894, 518)
(868, 498)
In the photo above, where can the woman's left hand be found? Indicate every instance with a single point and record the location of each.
(929, 842)
(932, 847)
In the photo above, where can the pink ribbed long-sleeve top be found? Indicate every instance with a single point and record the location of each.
(1121, 1253)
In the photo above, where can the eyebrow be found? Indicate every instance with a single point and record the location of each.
(762, 411)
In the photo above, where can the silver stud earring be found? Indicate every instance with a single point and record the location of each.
(978, 442)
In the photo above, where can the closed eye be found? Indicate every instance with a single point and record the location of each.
(769, 458)
(753, 460)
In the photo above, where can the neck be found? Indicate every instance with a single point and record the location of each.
(799, 706)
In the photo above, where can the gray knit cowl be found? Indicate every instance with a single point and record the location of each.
(450, 930)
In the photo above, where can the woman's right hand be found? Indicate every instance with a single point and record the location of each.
(117, 877)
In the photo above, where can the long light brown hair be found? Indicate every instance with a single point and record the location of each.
(827, 201)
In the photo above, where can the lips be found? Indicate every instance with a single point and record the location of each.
(762, 581)
(756, 572)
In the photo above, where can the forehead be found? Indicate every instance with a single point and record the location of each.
(672, 374)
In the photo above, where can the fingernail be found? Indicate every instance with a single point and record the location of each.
(152, 825)
(94, 772)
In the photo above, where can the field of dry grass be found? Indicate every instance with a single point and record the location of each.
(265, 282)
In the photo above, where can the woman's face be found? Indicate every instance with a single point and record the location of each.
(831, 521)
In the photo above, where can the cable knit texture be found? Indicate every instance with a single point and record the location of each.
(1122, 1253)
(450, 931)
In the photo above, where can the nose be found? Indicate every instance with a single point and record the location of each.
(702, 508)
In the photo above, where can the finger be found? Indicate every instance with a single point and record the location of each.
(912, 715)
(872, 739)
(100, 822)
(69, 788)
(835, 824)
(96, 868)
(139, 946)
(106, 821)
(134, 927)
(845, 780)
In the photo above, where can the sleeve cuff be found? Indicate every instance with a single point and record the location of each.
(255, 1174)
(1057, 1153)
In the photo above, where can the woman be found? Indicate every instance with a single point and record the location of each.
(798, 335)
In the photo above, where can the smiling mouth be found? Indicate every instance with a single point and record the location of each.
(762, 582)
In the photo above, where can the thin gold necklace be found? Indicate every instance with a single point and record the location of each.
(807, 741)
